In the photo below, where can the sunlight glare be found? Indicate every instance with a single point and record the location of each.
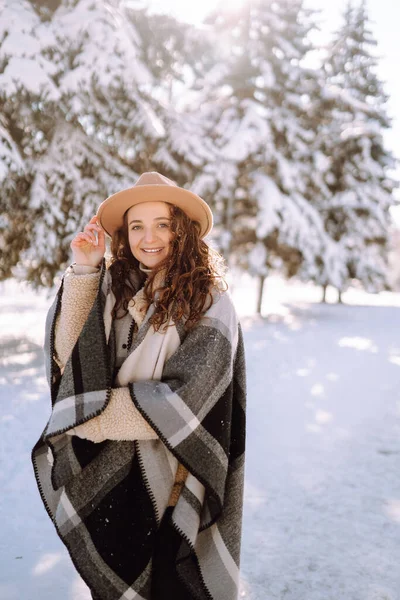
(322, 417)
(392, 510)
(317, 390)
(46, 562)
(194, 13)
(358, 343)
(225, 5)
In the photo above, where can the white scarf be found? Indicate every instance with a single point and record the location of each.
(148, 359)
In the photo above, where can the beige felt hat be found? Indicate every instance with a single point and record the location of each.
(153, 187)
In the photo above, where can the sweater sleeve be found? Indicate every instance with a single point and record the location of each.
(79, 293)
(120, 420)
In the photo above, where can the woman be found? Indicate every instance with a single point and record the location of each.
(141, 463)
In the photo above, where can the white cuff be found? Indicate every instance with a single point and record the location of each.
(84, 269)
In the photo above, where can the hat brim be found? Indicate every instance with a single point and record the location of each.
(111, 212)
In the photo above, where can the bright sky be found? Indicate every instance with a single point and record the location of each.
(385, 19)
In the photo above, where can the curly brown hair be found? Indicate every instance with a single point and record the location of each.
(191, 271)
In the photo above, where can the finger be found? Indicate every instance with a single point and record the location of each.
(99, 225)
(91, 231)
(99, 231)
(101, 235)
(76, 239)
(82, 239)
(93, 226)
(81, 235)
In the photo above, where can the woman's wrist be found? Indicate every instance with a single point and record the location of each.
(80, 269)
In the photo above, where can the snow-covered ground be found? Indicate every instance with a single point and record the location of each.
(322, 496)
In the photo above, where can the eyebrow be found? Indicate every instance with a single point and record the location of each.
(156, 219)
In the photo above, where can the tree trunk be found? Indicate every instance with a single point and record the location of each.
(261, 279)
(340, 301)
(324, 288)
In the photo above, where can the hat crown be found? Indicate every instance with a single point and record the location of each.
(154, 178)
(153, 187)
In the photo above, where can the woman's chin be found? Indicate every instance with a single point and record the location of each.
(151, 262)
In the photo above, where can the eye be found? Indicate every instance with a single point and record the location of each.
(135, 227)
(163, 225)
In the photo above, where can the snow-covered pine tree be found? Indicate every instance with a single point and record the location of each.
(45, 8)
(74, 174)
(74, 101)
(27, 97)
(355, 174)
(264, 139)
(15, 226)
(102, 71)
(179, 55)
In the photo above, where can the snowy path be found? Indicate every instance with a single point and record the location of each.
(323, 488)
(322, 498)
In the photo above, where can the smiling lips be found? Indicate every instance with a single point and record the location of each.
(152, 250)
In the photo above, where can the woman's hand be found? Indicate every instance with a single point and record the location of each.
(88, 246)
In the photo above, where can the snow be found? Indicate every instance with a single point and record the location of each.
(220, 107)
(270, 201)
(10, 158)
(322, 493)
(109, 45)
(32, 74)
(246, 133)
(257, 259)
(25, 67)
(64, 168)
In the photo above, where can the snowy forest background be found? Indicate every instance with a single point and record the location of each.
(285, 140)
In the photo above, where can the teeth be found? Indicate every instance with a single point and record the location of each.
(155, 250)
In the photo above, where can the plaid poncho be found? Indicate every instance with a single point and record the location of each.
(106, 500)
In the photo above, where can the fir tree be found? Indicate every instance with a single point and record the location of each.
(77, 123)
(102, 71)
(70, 178)
(263, 138)
(357, 187)
(27, 98)
(179, 56)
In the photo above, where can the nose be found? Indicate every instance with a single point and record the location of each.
(149, 235)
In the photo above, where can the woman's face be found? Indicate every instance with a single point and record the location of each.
(149, 230)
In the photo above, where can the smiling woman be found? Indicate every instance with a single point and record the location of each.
(141, 463)
(150, 236)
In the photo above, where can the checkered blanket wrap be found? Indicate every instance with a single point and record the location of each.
(106, 500)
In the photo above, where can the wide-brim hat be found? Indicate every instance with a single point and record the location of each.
(153, 187)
